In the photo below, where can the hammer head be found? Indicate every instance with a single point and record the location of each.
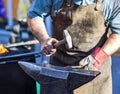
(68, 39)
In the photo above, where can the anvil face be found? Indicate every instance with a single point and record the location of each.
(44, 74)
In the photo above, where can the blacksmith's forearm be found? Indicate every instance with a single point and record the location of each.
(112, 44)
(38, 29)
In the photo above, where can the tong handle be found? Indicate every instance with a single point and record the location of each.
(22, 43)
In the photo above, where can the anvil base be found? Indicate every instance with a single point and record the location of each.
(55, 87)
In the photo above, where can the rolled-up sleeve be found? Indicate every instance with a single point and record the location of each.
(114, 20)
(39, 8)
(115, 24)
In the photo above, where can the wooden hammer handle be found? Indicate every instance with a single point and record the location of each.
(59, 43)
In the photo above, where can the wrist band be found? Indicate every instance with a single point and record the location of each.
(100, 56)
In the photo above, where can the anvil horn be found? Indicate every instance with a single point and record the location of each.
(45, 74)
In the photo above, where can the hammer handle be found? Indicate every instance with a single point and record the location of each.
(59, 43)
(22, 43)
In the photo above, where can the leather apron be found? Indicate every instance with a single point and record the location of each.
(86, 26)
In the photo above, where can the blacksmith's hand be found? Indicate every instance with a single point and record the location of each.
(94, 60)
(47, 46)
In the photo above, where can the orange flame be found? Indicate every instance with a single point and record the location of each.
(3, 49)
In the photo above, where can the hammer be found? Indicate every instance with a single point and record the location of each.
(67, 40)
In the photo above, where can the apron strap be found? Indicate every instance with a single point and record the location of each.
(99, 6)
(68, 3)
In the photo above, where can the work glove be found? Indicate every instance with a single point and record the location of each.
(94, 60)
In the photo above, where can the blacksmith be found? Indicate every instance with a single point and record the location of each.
(94, 26)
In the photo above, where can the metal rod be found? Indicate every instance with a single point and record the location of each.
(22, 43)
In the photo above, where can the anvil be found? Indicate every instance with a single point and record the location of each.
(56, 79)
